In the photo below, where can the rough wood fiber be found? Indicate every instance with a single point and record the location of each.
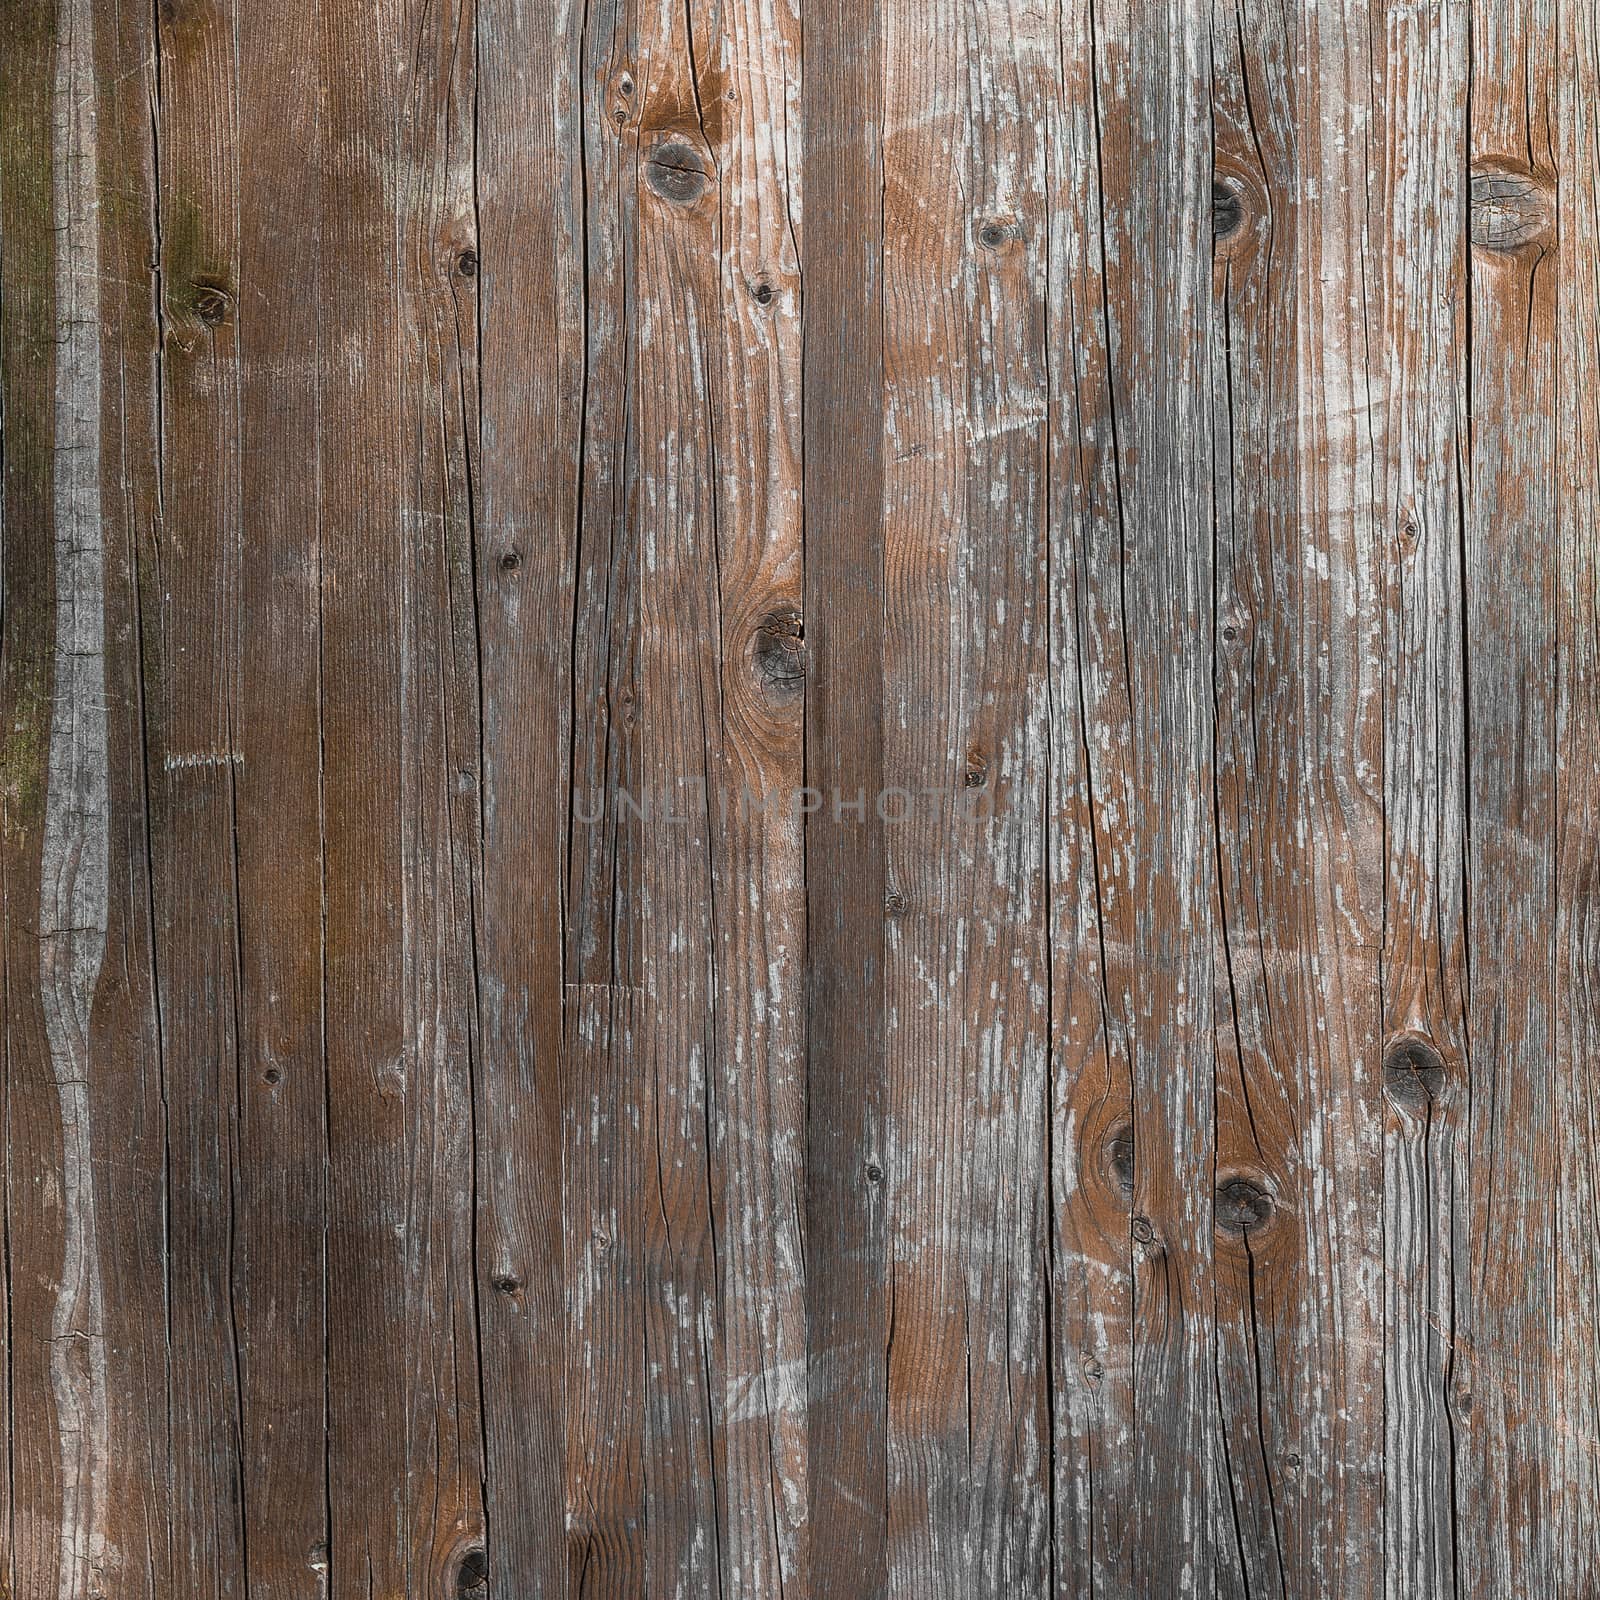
(798, 798)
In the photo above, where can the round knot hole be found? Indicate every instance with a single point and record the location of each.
(1242, 1206)
(779, 649)
(472, 1576)
(1119, 1160)
(676, 173)
(1510, 210)
(1414, 1074)
(213, 303)
(1227, 209)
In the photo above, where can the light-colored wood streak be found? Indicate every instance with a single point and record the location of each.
(73, 888)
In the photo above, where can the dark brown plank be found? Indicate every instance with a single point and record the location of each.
(849, 1310)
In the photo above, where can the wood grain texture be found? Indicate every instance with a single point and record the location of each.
(798, 799)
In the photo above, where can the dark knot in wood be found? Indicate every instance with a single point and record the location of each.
(1119, 1160)
(1510, 210)
(780, 653)
(213, 303)
(992, 235)
(676, 173)
(1242, 1206)
(1414, 1074)
(1227, 209)
(472, 1574)
(467, 263)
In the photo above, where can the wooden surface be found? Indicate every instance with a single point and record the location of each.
(800, 799)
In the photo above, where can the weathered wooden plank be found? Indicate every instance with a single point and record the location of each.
(1502, 1387)
(281, 1216)
(1269, 759)
(1428, 952)
(1090, 812)
(966, 966)
(677, 353)
(1156, 162)
(610, 1208)
(400, 688)
(1335, 1497)
(750, 71)
(1568, 217)
(527, 201)
(194, 746)
(849, 1310)
(57, 824)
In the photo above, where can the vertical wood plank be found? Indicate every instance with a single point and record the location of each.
(282, 1219)
(192, 664)
(1564, 215)
(1269, 759)
(677, 352)
(1092, 1153)
(850, 1324)
(527, 190)
(399, 730)
(966, 974)
(1157, 166)
(57, 794)
(611, 1205)
(1429, 977)
(758, 852)
(1502, 1381)
(1336, 1489)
